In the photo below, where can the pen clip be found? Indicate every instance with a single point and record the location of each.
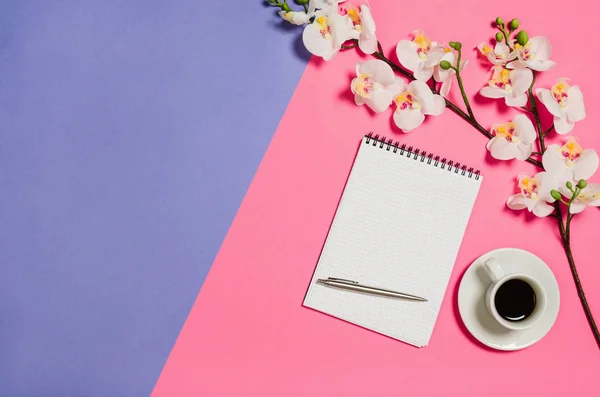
(341, 279)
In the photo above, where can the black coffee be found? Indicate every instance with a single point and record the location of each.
(515, 300)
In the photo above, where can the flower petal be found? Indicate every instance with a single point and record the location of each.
(524, 129)
(406, 51)
(562, 125)
(422, 92)
(493, 92)
(521, 80)
(437, 106)
(516, 101)
(381, 71)
(525, 151)
(502, 49)
(519, 202)
(540, 66)
(541, 46)
(397, 87)
(408, 120)
(545, 96)
(440, 74)
(553, 161)
(542, 209)
(445, 88)
(587, 165)
(501, 149)
(380, 100)
(575, 108)
(576, 207)
(422, 72)
(367, 21)
(548, 182)
(367, 44)
(314, 42)
(359, 100)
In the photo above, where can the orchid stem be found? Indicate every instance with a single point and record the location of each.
(305, 8)
(526, 109)
(503, 30)
(565, 233)
(536, 115)
(549, 130)
(462, 88)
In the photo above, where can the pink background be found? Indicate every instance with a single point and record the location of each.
(248, 335)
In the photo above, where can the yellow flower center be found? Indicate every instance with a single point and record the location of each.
(501, 79)
(324, 27)
(405, 101)
(423, 44)
(363, 85)
(571, 151)
(506, 131)
(354, 16)
(529, 187)
(560, 92)
(486, 49)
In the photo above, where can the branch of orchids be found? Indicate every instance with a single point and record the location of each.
(469, 118)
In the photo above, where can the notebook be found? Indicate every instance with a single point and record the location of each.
(398, 226)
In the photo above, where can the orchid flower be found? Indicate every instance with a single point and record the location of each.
(296, 17)
(421, 55)
(326, 34)
(364, 25)
(498, 55)
(513, 139)
(512, 85)
(589, 195)
(534, 195)
(375, 84)
(565, 102)
(446, 76)
(534, 55)
(570, 162)
(413, 102)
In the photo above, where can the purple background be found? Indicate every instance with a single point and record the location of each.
(129, 133)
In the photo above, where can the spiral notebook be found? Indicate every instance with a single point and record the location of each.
(398, 226)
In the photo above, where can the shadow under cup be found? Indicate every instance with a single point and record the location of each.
(539, 302)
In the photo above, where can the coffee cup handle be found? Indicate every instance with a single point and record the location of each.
(493, 269)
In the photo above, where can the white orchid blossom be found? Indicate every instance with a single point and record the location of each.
(446, 76)
(421, 55)
(364, 25)
(512, 85)
(565, 103)
(513, 139)
(498, 55)
(589, 195)
(570, 162)
(535, 55)
(534, 195)
(413, 102)
(296, 17)
(326, 34)
(375, 84)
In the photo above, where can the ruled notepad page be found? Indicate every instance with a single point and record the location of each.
(398, 226)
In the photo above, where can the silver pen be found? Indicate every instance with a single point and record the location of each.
(356, 287)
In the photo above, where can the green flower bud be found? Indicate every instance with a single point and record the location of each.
(456, 45)
(499, 37)
(445, 65)
(522, 37)
(513, 24)
(555, 194)
(581, 184)
(569, 185)
(499, 21)
(301, 2)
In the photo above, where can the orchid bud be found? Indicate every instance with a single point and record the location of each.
(499, 37)
(569, 185)
(499, 21)
(456, 45)
(301, 2)
(522, 37)
(513, 24)
(555, 194)
(445, 65)
(581, 184)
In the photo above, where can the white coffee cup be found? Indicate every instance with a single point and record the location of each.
(499, 276)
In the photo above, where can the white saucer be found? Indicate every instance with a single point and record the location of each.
(477, 319)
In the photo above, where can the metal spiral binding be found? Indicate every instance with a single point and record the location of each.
(421, 156)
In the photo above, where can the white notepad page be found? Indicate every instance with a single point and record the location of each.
(398, 226)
